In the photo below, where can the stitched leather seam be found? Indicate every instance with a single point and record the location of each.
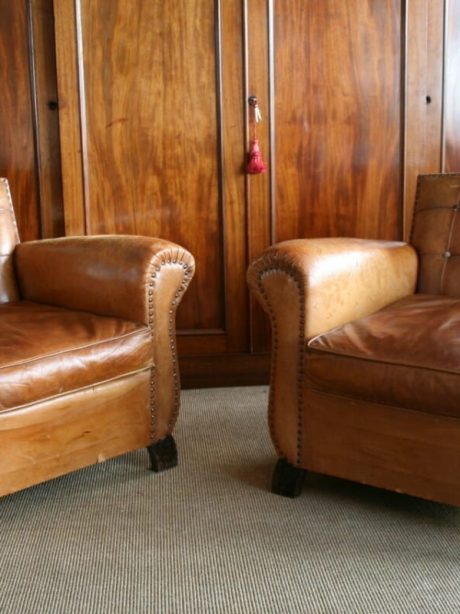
(417, 197)
(71, 391)
(320, 352)
(74, 349)
(354, 398)
(281, 264)
(168, 257)
(418, 209)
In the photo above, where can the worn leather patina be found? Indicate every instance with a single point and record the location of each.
(365, 380)
(88, 365)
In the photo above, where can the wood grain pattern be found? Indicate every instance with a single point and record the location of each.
(235, 211)
(149, 93)
(338, 127)
(224, 370)
(46, 117)
(423, 97)
(154, 135)
(69, 117)
(258, 187)
(399, 449)
(452, 89)
(53, 437)
(150, 133)
(17, 155)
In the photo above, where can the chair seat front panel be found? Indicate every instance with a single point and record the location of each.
(48, 351)
(405, 355)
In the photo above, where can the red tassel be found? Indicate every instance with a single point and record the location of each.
(255, 165)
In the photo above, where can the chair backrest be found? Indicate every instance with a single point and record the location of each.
(436, 233)
(9, 237)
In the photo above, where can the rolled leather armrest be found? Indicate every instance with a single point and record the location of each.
(338, 279)
(139, 279)
(308, 286)
(110, 275)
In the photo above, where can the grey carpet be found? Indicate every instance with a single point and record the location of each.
(209, 536)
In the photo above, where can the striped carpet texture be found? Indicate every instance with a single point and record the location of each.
(210, 537)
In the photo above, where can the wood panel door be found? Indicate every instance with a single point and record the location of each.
(17, 160)
(354, 96)
(152, 135)
(338, 124)
(154, 130)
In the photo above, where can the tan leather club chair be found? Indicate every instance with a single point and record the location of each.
(88, 366)
(365, 381)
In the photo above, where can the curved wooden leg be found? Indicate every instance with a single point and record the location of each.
(163, 454)
(287, 479)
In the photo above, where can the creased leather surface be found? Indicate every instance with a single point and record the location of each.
(61, 434)
(88, 353)
(47, 351)
(407, 354)
(114, 270)
(308, 286)
(341, 278)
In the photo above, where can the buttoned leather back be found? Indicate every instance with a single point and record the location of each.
(8, 239)
(436, 233)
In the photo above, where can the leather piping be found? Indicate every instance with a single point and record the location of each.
(281, 264)
(163, 259)
(73, 349)
(69, 392)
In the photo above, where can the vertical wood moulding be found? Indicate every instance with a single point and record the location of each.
(442, 143)
(423, 100)
(247, 184)
(256, 46)
(235, 210)
(258, 187)
(451, 106)
(35, 121)
(404, 88)
(45, 119)
(220, 148)
(69, 117)
(272, 117)
(246, 94)
(17, 160)
(83, 116)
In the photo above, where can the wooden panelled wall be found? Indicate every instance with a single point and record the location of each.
(131, 117)
(29, 145)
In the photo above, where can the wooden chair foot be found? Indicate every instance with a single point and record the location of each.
(287, 479)
(163, 454)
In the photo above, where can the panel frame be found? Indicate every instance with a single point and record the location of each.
(423, 97)
(233, 335)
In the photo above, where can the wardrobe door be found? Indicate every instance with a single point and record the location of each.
(354, 91)
(17, 159)
(152, 138)
(335, 108)
(338, 109)
(154, 129)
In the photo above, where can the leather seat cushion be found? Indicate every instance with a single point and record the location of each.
(48, 351)
(406, 355)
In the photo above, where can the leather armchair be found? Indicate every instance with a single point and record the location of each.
(365, 380)
(88, 366)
